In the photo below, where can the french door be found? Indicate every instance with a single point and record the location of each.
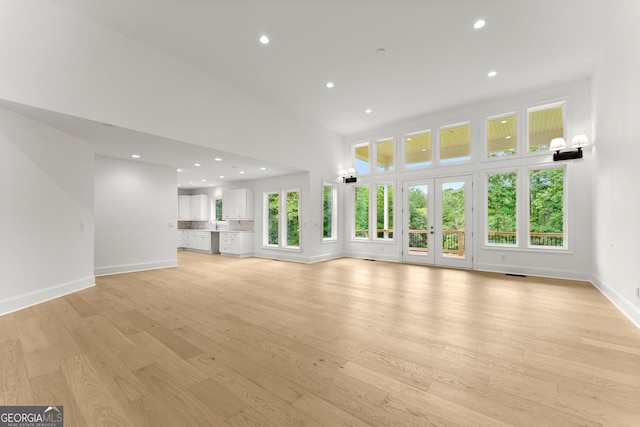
(437, 221)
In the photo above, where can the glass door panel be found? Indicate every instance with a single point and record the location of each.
(417, 218)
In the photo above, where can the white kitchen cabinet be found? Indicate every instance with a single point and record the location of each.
(188, 239)
(238, 204)
(180, 239)
(236, 243)
(202, 241)
(184, 208)
(194, 208)
(200, 207)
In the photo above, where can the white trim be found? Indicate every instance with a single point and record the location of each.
(130, 268)
(28, 299)
(620, 302)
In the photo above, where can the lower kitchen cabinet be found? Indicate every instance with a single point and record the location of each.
(196, 240)
(236, 243)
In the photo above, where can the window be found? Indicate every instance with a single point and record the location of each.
(385, 148)
(361, 158)
(293, 219)
(329, 212)
(546, 208)
(384, 211)
(544, 124)
(455, 143)
(417, 149)
(361, 212)
(501, 208)
(272, 227)
(282, 220)
(217, 210)
(502, 136)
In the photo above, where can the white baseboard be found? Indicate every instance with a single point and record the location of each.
(18, 302)
(538, 272)
(130, 268)
(623, 304)
(377, 257)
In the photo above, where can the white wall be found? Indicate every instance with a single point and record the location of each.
(616, 99)
(575, 263)
(47, 217)
(136, 216)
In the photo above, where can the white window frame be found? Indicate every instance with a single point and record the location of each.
(373, 208)
(379, 141)
(405, 166)
(565, 209)
(354, 146)
(265, 220)
(561, 103)
(353, 212)
(334, 212)
(519, 145)
(282, 220)
(439, 150)
(519, 191)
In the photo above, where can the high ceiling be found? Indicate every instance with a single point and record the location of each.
(434, 58)
(401, 59)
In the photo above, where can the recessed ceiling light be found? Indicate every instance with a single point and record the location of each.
(479, 24)
(135, 156)
(263, 168)
(492, 73)
(504, 122)
(221, 176)
(190, 182)
(179, 185)
(508, 137)
(196, 164)
(218, 159)
(330, 85)
(424, 149)
(264, 39)
(203, 180)
(242, 172)
(210, 185)
(179, 170)
(368, 111)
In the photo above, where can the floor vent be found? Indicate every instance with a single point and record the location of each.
(515, 275)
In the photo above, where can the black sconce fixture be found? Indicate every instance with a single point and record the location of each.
(348, 176)
(559, 145)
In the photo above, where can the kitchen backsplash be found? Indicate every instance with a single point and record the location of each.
(229, 225)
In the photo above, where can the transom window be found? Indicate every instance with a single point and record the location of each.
(455, 143)
(417, 149)
(385, 149)
(543, 124)
(502, 136)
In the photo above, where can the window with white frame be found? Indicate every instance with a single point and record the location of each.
(217, 209)
(455, 143)
(329, 212)
(384, 211)
(417, 149)
(282, 219)
(543, 124)
(502, 135)
(547, 207)
(501, 208)
(361, 158)
(361, 211)
(385, 149)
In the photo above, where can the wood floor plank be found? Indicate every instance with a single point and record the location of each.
(52, 390)
(99, 407)
(177, 398)
(16, 388)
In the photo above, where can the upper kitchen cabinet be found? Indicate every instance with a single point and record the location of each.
(194, 208)
(184, 208)
(238, 204)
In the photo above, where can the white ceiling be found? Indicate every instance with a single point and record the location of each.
(433, 60)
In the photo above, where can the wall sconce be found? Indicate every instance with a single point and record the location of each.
(348, 175)
(559, 144)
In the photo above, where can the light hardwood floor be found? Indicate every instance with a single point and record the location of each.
(223, 341)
